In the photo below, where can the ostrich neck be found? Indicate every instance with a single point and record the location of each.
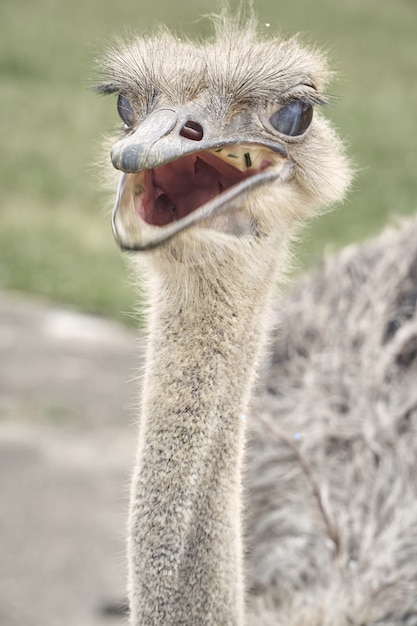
(185, 538)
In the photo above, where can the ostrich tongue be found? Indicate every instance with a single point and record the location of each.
(155, 204)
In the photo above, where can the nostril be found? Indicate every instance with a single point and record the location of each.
(192, 130)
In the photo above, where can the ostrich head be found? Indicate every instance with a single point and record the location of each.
(223, 144)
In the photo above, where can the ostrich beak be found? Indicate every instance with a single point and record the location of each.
(177, 171)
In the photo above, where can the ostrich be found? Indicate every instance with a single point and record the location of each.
(224, 155)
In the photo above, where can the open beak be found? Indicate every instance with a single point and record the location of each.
(176, 172)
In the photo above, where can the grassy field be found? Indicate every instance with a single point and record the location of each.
(55, 237)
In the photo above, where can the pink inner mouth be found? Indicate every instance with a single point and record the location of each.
(176, 189)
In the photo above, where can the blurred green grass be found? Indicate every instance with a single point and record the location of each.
(55, 236)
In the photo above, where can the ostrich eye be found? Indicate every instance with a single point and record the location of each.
(293, 119)
(125, 110)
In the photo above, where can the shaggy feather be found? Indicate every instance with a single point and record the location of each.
(342, 378)
(225, 71)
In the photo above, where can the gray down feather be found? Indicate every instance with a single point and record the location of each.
(331, 511)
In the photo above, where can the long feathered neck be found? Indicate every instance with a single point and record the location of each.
(185, 538)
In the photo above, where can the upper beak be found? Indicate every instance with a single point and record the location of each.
(168, 134)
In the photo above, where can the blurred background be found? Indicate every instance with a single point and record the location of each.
(55, 236)
(67, 429)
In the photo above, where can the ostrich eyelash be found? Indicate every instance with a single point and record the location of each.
(312, 98)
(106, 88)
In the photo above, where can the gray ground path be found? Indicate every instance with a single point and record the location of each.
(67, 441)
